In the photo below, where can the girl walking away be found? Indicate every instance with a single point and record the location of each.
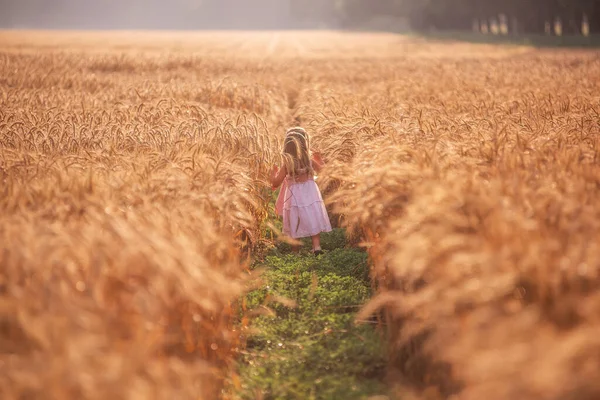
(304, 213)
(279, 203)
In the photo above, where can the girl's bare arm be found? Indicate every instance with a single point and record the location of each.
(317, 161)
(277, 176)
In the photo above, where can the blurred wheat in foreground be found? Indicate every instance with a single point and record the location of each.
(132, 174)
(124, 205)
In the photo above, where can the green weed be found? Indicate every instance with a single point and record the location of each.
(314, 349)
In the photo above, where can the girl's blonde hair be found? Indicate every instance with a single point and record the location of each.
(296, 152)
(301, 131)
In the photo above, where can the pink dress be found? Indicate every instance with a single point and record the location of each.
(303, 209)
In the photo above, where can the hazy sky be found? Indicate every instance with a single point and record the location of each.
(161, 14)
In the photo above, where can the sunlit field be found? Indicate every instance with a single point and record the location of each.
(134, 200)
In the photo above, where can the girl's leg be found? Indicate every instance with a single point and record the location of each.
(316, 242)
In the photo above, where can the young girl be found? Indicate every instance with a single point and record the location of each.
(303, 210)
(280, 197)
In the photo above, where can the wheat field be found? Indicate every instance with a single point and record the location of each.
(133, 181)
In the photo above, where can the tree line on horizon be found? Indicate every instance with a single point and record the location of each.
(519, 16)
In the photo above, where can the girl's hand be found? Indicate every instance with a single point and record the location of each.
(317, 161)
(318, 157)
(274, 173)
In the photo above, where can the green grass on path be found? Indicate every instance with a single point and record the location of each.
(312, 349)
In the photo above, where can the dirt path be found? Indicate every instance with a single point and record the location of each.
(272, 47)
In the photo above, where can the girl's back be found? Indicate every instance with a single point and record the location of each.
(296, 157)
(302, 207)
